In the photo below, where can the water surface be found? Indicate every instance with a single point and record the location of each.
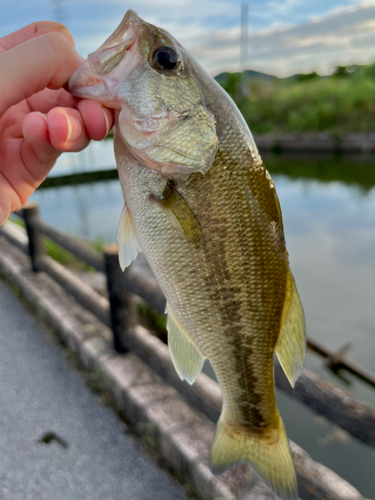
(328, 207)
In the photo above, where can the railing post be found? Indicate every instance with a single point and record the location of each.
(123, 312)
(36, 243)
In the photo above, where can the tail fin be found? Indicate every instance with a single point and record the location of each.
(268, 453)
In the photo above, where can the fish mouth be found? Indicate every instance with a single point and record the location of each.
(131, 17)
(93, 79)
(104, 60)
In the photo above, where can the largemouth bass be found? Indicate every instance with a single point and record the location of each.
(204, 210)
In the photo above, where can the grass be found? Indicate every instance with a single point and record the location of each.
(67, 259)
(153, 320)
(343, 102)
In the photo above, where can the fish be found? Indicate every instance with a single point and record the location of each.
(202, 207)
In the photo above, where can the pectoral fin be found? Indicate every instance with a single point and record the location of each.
(291, 344)
(180, 214)
(187, 358)
(127, 242)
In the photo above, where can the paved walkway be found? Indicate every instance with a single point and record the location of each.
(41, 394)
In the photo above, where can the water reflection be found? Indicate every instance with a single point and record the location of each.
(90, 211)
(329, 216)
(330, 231)
(329, 444)
(98, 156)
(355, 170)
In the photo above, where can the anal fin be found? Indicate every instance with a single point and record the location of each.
(187, 357)
(291, 344)
(127, 241)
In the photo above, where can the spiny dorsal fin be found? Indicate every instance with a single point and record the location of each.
(180, 214)
(187, 358)
(128, 247)
(291, 344)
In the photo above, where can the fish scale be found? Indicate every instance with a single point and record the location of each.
(222, 291)
(203, 208)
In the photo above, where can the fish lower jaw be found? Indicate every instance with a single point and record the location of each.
(168, 170)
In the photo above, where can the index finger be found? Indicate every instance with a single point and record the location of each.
(46, 61)
(31, 31)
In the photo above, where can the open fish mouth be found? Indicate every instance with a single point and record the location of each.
(93, 79)
(104, 61)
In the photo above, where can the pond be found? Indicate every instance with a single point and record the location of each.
(328, 208)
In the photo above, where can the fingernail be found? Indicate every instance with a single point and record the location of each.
(2, 216)
(107, 123)
(41, 114)
(74, 128)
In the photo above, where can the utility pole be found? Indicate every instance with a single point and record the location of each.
(58, 13)
(245, 90)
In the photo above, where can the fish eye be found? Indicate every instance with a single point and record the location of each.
(165, 58)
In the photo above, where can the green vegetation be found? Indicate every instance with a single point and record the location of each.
(67, 259)
(153, 320)
(98, 243)
(17, 220)
(342, 102)
(63, 256)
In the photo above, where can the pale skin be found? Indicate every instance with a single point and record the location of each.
(38, 119)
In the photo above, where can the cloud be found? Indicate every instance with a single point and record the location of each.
(285, 36)
(343, 37)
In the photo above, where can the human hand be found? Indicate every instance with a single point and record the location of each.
(38, 118)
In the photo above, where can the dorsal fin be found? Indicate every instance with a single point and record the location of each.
(187, 357)
(291, 344)
(127, 241)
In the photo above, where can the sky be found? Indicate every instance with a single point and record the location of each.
(285, 36)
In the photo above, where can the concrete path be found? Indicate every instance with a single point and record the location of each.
(42, 396)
